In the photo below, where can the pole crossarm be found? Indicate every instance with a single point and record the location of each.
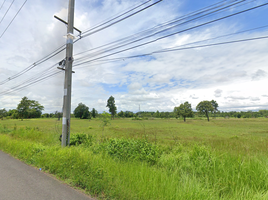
(80, 32)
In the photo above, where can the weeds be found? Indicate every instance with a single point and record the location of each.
(219, 168)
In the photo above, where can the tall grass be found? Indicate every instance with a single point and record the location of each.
(133, 168)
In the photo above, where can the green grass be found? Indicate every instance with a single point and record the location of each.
(150, 159)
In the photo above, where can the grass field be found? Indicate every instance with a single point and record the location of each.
(150, 159)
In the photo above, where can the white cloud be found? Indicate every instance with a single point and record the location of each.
(234, 75)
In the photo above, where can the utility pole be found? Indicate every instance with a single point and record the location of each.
(68, 78)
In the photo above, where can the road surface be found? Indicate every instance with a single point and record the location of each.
(19, 181)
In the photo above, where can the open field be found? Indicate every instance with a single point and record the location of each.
(150, 159)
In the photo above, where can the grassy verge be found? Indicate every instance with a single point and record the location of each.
(120, 168)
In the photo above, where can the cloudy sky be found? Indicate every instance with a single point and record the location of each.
(233, 74)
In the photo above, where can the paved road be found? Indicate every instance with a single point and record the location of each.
(19, 181)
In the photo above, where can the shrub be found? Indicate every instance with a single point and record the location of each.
(80, 138)
(129, 149)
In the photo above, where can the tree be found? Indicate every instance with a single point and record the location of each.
(157, 114)
(105, 121)
(29, 109)
(205, 107)
(121, 114)
(184, 110)
(111, 106)
(94, 113)
(81, 111)
(215, 107)
(3, 113)
(58, 115)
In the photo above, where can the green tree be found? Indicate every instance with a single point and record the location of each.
(35, 109)
(111, 106)
(157, 114)
(58, 115)
(184, 110)
(105, 121)
(29, 109)
(94, 113)
(3, 113)
(215, 107)
(121, 114)
(81, 111)
(204, 107)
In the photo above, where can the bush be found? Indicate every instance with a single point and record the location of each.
(129, 149)
(80, 138)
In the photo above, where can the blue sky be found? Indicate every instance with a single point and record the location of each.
(235, 75)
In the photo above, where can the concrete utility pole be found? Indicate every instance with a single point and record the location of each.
(68, 77)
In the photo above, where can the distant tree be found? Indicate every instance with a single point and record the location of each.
(111, 106)
(94, 113)
(157, 114)
(121, 114)
(184, 110)
(204, 107)
(215, 107)
(29, 109)
(13, 114)
(58, 115)
(81, 111)
(3, 113)
(128, 114)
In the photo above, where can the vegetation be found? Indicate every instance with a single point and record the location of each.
(29, 109)
(3, 113)
(215, 107)
(149, 159)
(205, 107)
(82, 111)
(94, 113)
(184, 110)
(111, 106)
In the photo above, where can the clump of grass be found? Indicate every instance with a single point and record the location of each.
(130, 149)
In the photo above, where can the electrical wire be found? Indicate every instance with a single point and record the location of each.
(117, 16)
(135, 38)
(180, 49)
(98, 30)
(181, 31)
(31, 82)
(7, 11)
(50, 74)
(2, 4)
(13, 18)
(57, 51)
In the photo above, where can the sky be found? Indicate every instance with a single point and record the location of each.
(235, 74)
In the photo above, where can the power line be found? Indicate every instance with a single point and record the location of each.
(34, 80)
(13, 18)
(149, 42)
(2, 4)
(142, 35)
(107, 26)
(57, 51)
(109, 20)
(7, 11)
(175, 49)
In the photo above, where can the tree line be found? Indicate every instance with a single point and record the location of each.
(33, 109)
